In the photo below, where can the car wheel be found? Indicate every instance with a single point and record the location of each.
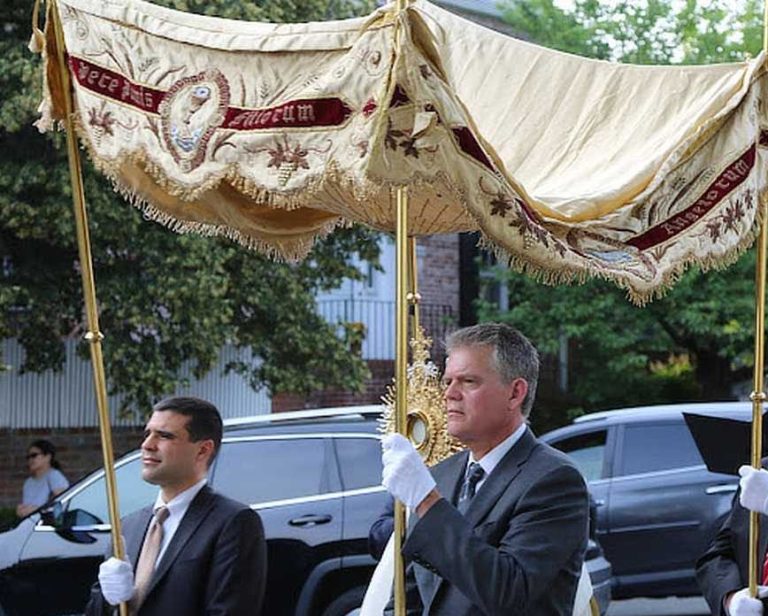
(347, 604)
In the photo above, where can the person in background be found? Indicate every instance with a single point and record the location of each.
(45, 481)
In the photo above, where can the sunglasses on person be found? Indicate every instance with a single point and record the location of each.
(34, 454)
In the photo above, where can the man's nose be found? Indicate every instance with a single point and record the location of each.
(148, 442)
(451, 392)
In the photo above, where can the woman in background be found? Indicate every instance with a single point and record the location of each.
(46, 479)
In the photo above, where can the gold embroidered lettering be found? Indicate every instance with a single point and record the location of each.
(723, 184)
(741, 167)
(306, 113)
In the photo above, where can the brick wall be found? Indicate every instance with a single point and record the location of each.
(382, 372)
(438, 257)
(78, 451)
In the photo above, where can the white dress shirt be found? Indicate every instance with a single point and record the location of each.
(489, 461)
(176, 510)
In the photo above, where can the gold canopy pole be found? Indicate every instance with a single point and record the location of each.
(94, 335)
(401, 377)
(414, 297)
(758, 395)
(401, 363)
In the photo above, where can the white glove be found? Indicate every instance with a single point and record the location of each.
(405, 475)
(754, 489)
(116, 580)
(744, 605)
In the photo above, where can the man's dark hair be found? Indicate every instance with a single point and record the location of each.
(47, 448)
(204, 419)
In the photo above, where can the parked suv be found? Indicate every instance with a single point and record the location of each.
(313, 476)
(658, 507)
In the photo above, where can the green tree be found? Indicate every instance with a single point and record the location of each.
(164, 299)
(696, 342)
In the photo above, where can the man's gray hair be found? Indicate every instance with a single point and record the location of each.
(513, 354)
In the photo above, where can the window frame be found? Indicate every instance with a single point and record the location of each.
(610, 447)
(332, 469)
(621, 448)
(337, 459)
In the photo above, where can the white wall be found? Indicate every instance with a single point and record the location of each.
(66, 399)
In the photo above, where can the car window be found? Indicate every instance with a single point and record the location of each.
(267, 470)
(657, 447)
(360, 462)
(132, 491)
(587, 452)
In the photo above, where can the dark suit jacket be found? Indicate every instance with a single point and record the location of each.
(519, 548)
(724, 567)
(381, 529)
(216, 562)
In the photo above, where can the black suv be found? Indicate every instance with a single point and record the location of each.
(658, 507)
(313, 476)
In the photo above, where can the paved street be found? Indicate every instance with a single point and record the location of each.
(659, 607)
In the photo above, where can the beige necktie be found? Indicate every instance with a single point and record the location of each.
(146, 565)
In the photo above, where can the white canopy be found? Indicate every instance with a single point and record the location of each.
(275, 134)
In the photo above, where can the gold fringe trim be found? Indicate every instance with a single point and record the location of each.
(364, 189)
(577, 274)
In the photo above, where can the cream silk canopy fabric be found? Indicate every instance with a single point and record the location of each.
(275, 134)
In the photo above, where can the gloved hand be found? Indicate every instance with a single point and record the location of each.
(116, 580)
(405, 475)
(754, 489)
(744, 605)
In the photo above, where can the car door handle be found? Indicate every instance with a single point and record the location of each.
(311, 520)
(722, 488)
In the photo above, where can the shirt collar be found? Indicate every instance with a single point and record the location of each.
(181, 501)
(494, 456)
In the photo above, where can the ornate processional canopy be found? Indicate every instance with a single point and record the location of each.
(275, 134)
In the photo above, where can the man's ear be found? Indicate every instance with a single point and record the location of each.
(518, 391)
(206, 449)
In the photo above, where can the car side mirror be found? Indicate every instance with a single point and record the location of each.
(76, 525)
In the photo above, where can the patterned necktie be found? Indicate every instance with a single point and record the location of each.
(475, 474)
(148, 557)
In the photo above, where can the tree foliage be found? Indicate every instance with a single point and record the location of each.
(696, 342)
(164, 299)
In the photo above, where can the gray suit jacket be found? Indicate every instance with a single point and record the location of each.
(520, 548)
(216, 562)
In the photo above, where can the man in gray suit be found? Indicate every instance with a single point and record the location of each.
(194, 551)
(502, 528)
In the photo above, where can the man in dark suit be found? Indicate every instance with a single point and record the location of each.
(502, 528)
(723, 570)
(194, 551)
